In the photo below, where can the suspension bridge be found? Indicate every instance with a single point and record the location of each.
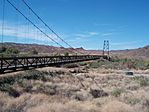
(14, 63)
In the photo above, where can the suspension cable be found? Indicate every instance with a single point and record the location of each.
(3, 18)
(28, 26)
(17, 25)
(33, 23)
(46, 24)
(38, 27)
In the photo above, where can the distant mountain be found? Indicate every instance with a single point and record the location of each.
(46, 49)
(51, 50)
(135, 53)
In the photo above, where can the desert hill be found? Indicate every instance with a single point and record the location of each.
(46, 49)
(135, 53)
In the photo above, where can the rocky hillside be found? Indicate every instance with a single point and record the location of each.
(45, 49)
(25, 48)
(135, 53)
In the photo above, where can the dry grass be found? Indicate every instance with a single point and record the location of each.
(71, 92)
(72, 106)
(116, 106)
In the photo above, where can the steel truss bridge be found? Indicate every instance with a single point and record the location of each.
(11, 64)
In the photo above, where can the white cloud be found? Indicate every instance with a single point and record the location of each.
(88, 34)
(125, 43)
(21, 31)
(93, 33)
(108, 34)
(81, 35)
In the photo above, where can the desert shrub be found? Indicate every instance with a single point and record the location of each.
(105, 64)
(96, 93)
(6, 83)
(97, 64)
(143, 81)
(9, 50)
(116, 106)
(11, 91)
(81, 96)
(12, 51)
(34, 52)
(66, 54)
(46, 89)
(133, 63)
(115, 59)
(145, 103)
(38, 75)
(94, 65)
(72, 65)
(117, 63)
(33, 74)
(128, 63)
(82, 63)
(117, 92)
(133, 101)
(25, 84)
(147, 65)
(3, 49)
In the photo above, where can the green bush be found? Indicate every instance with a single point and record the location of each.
(117, 63)
(82, 63)
(143, 81)
(133, 101)
(147, 65)
(97, 64)
(34, 52)
(117, 92)
(5, 50)
(8, 88)
(72, 65)
(66, 54)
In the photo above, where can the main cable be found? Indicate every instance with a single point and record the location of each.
(33, 23)
(48, 26)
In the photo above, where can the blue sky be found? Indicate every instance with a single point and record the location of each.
(82, 23)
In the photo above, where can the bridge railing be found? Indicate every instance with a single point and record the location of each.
(14, 63)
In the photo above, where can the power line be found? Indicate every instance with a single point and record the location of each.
(33, 23)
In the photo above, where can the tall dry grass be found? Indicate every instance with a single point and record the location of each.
(71, 93)
(116, 106)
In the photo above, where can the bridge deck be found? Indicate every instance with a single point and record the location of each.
(16, 63)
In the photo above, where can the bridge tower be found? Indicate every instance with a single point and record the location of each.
(106, 48)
